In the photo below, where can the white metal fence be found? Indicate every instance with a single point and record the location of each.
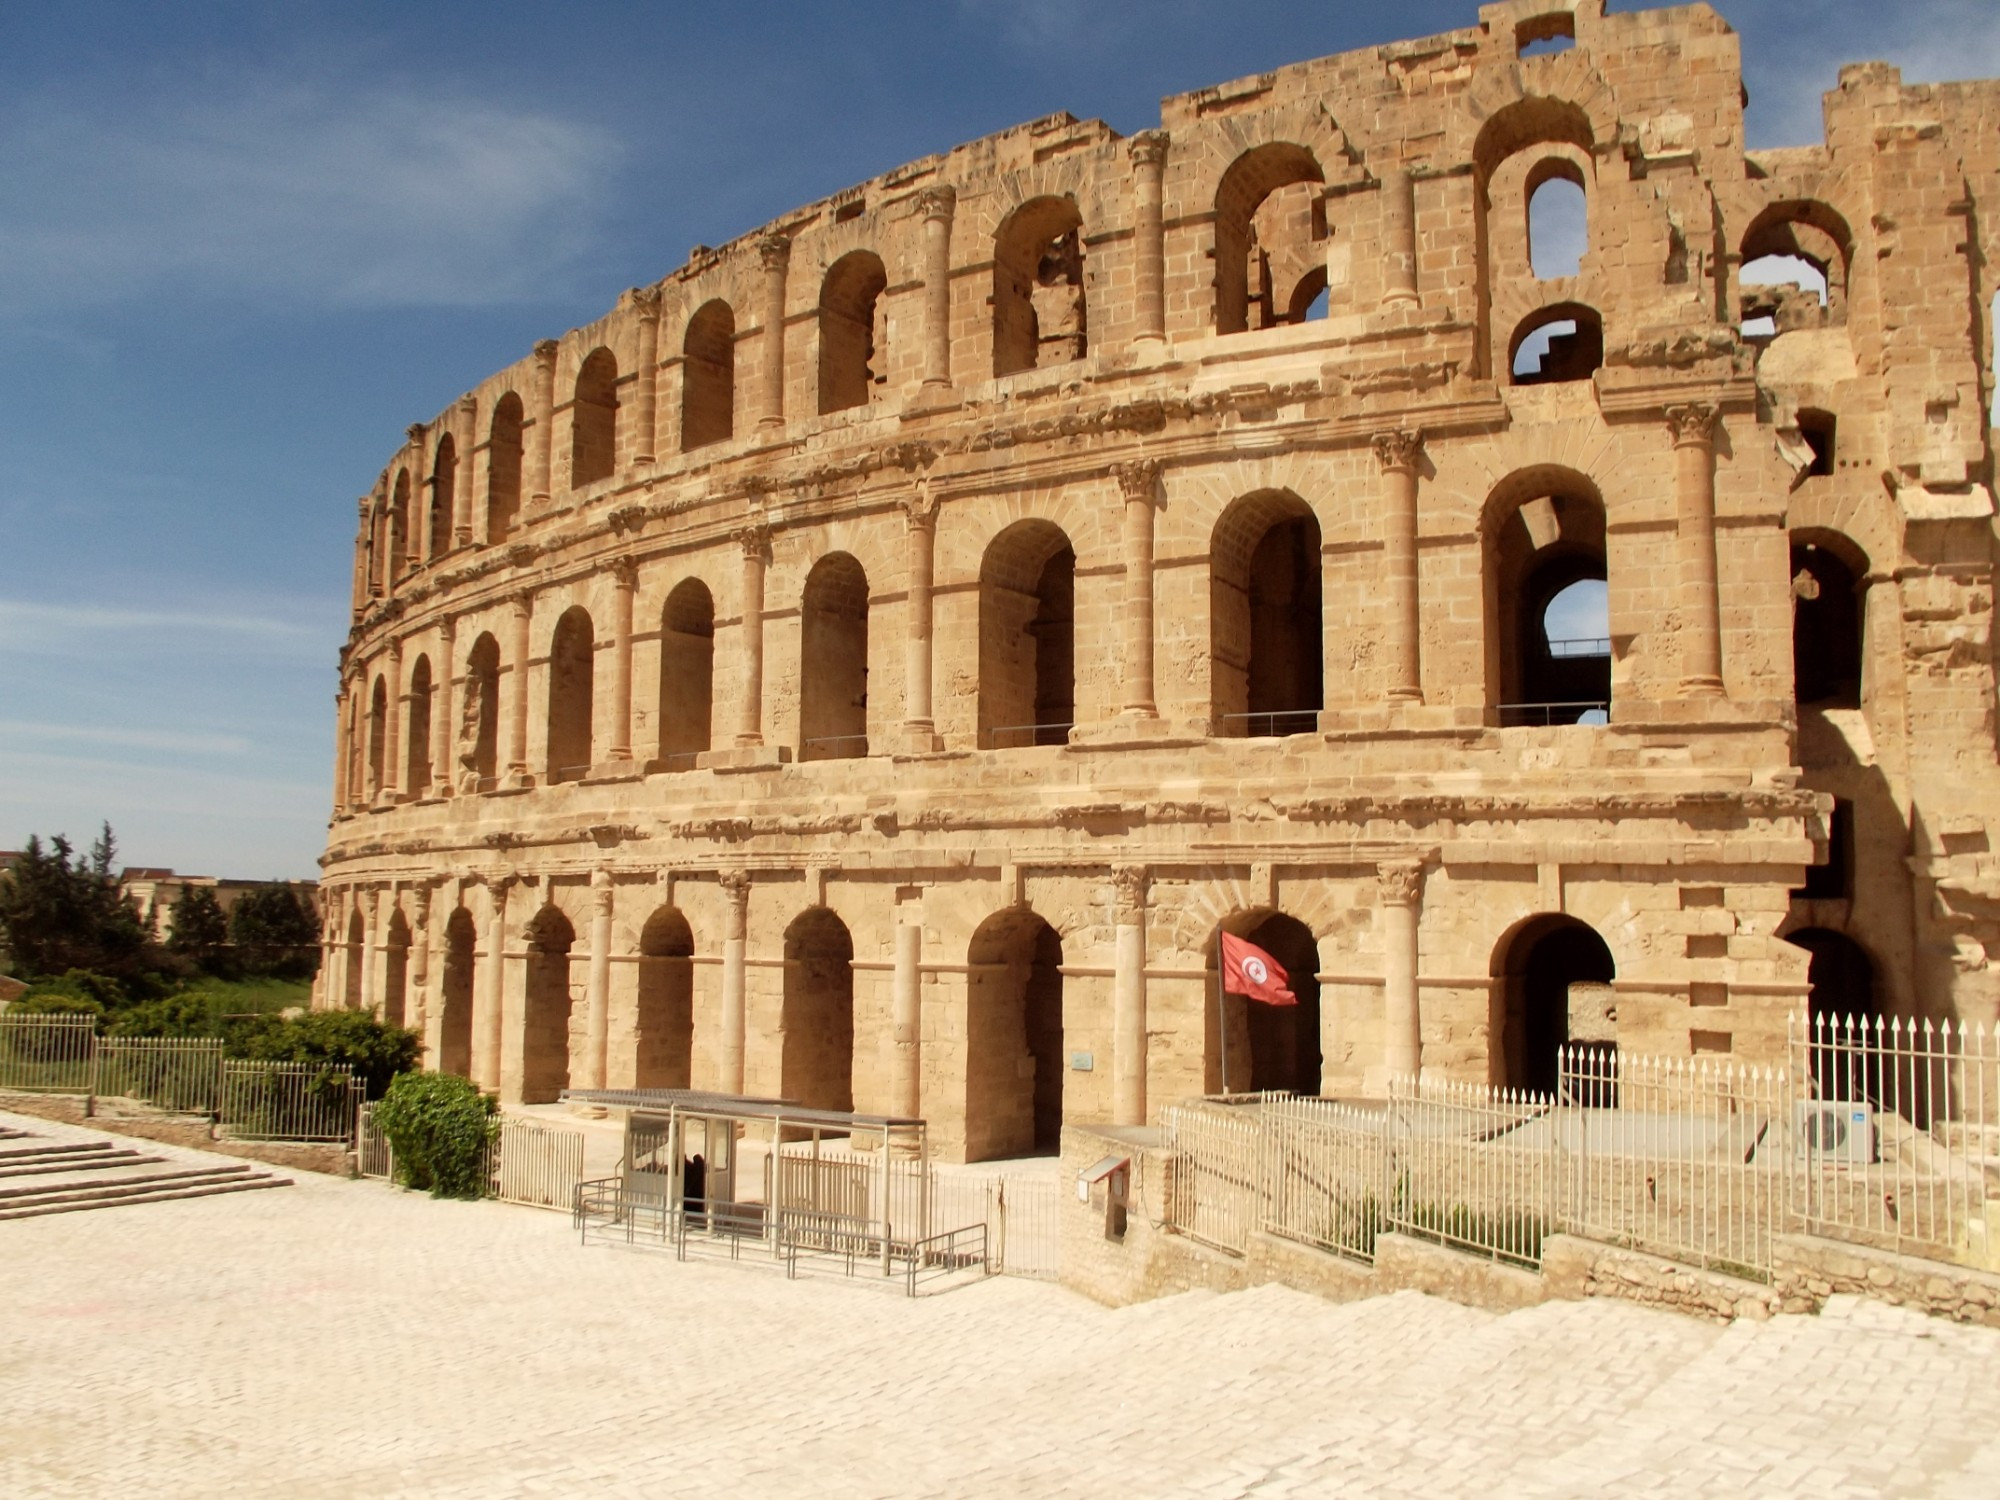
(1881, 1133)
(535, 1164)
(47, 1054)
(286, 1101)
(179, 1075)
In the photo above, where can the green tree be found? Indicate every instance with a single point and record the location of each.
(61, 911)
(275, 929)
(199, 927)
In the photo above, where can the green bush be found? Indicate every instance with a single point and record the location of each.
(378, 1052)
(438, 1125)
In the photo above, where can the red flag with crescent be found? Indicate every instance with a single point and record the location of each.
(1249, 971)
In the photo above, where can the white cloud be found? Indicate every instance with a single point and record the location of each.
(138, 739)
(95, 631)
(354, 196)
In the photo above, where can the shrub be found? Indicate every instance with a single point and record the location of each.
(438, 1125)
(375, 1050)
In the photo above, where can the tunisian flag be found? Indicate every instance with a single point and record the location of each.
(1249, 971)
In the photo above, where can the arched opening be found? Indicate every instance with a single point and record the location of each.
(357, 955)
(1793, 271)
(444, 495)
(1557, 344)
(1534, 972)
(1270, 225)
(417, 736)
(1558, 219)
(1827, 620)
(593, 420)
(479, 727)
(398, 551)
(1548, 631)
(545, 1024)
(1039, 314)
(1265, 641)
(687, 673)
(1266, 1046)
(455, 994)
(1310, 298)
(833, 660)
(395, 968)
(708, 376)
(1027, 637)
(851, 338)
(1544, 36)
(503, 470)
(1843, 1012)
(1013, 1038)
(378, 735)
(664, 1056)
(817, 1054)
(572, 656)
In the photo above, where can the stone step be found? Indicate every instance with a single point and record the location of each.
(116, 1187)
(87, 1163)
(245, 1184)
(37, 1153)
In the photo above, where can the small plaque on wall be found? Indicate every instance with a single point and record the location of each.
(1082, 1062)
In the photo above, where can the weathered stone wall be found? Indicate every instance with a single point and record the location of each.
(1422, 809)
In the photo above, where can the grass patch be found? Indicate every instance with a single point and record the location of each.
(262, 996)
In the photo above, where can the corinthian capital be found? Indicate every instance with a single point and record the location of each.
(415, 433)
(736, 886)
(937, 202)
(1138, 478)
(1400, 881)
(1692, 425)
(1396, 450)
(646, 301)
(545, 351)
(774, 251)
(920, 506)
(1149, 148)
(1128, 887)
(754, 539)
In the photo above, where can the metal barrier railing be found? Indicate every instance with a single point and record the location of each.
(1020, 736)
(1547, 715)
(1568, 648)
(534, 1164)
(285, 1101)
(826, 747)
(179, 1075)
(48, 1054)
(1276, 723)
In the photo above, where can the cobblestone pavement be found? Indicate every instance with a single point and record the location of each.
(342, 1338)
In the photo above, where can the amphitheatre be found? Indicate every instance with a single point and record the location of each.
(868, 665)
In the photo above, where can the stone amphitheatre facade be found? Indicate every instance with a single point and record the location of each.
(867, 666)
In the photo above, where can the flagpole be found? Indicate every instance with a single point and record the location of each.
(1221, 1011)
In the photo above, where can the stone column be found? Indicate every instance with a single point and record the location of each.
(465, 436)
(1128, 997)
(341, 789)
(646, 303)
(369, 996)
(364, 556)
(1400, 884)
(541, 446)
(625, 575)
(1399, 237)
(1139, 482)
(1693, 428)
(1399, 454)
(936, 205)
(442, 738)
(392, 738)
(774, 253)
(492, 1020)
(517, 731)
(597, 990)
(1149, 244)
(418, 543)
(735, 942)
(359, 792)
(906, 1017)
(919, 721)
(755, 541)
(416, 999)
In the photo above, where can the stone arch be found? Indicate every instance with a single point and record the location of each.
(455, 991)
(1027, 637)
(378, 735)
(356, 955)
(1546, 196)
(1268, 1046)
(687, 674)
(1534, 965)
(816, 1062)
(1265, 636)
(545, 1022)
(593, 419)
(664, 1025)
(1014, 1060)
(1542, 529)
(1250, 181)
(1556, 344)
(503, 468)
(1039, 303)
(417, 730)
(572, 663)
(1828, 586)
(833, 660)
(479, 721)
(444, 495)
(708, 376)
(395, 967)
(1812, 231)
(853, 352)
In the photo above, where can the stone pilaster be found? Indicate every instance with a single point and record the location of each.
(735, 942)
(1693, 429)
(646, 401)
(1139, 483)
(936, 206)
(1399, 454)
(774, 254)
(1149, 249)
(755, 542)
(920, 509)
(625, 577)
(1128, 996)
(541, 437)
(1399, 885)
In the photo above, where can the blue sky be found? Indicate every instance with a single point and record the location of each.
(242, 246)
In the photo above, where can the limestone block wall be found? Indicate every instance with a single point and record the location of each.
(873, 662)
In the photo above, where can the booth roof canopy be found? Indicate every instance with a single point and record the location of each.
(736, 1106)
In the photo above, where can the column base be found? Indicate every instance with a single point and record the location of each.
(1400, 717)
(1701, 687)
(1131, 732)
(919, 737)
